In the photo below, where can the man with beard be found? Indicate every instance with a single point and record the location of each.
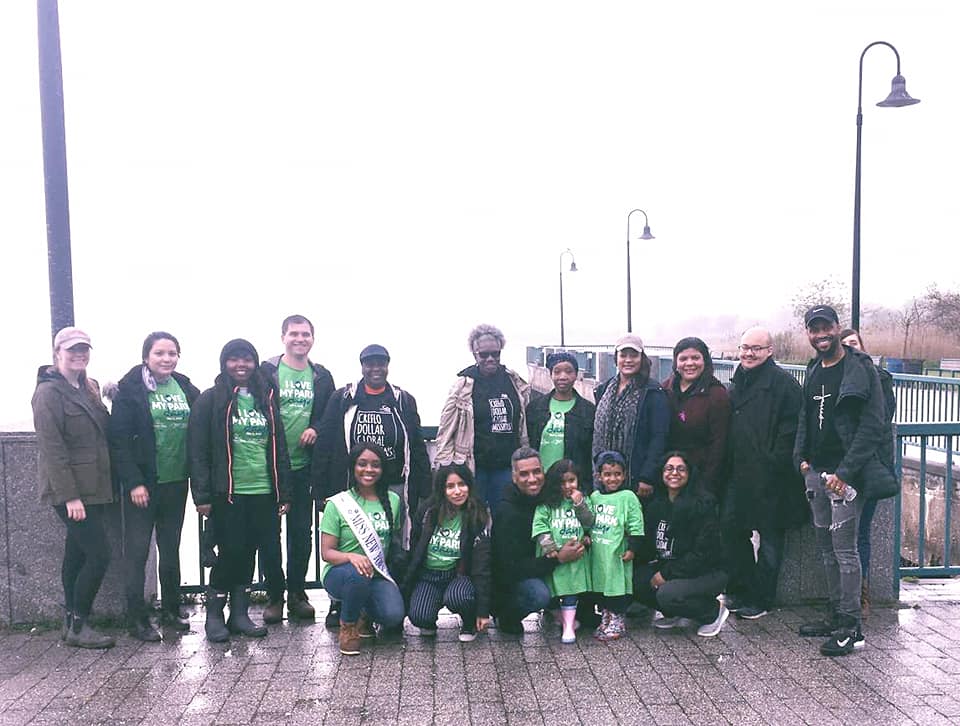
(843, 446)
(764, 491)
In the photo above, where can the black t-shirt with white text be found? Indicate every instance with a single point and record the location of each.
(496, 420)
(376, 419)
(825, 448)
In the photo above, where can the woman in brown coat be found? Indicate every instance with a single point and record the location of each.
(74, 476)
(700, 411)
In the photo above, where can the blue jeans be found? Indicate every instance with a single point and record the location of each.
(380, 599)
(491, 484)
(835, 524)
(863, 536)
(527, 596)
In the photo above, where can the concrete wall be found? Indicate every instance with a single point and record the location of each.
(31, 545)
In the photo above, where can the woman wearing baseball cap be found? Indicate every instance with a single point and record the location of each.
(74, 476)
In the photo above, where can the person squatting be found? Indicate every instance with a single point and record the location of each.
(652, 497)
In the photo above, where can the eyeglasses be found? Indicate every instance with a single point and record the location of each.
(752, 348)
(671, 469)
(494, 354)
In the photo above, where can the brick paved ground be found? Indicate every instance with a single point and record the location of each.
(755, 672)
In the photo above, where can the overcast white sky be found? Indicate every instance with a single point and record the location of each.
(399, 172)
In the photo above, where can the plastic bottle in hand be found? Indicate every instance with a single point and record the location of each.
(848, 494)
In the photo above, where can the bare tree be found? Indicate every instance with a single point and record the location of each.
(943, 309)
(911, 316)
(825, 291)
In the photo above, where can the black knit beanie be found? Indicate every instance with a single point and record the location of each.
(238, 347)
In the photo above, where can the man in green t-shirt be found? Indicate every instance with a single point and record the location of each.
(302, 388)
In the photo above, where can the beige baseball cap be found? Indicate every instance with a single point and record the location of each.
(69, 337)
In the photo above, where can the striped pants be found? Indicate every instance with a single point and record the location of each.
(442, 588)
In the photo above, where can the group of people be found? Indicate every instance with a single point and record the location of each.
(532, 502)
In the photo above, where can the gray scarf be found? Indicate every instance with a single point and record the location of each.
(616, 421)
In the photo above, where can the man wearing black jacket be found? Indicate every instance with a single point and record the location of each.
(843, 447)
(302, 389)
(518, 573)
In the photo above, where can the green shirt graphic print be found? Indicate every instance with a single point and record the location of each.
(296, 405)
(618, 516)
(551, 441)
(251, 436)
(333, 523)
(170, 412)
(443, 550)
(568, 578)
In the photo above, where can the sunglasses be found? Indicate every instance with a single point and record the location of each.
(484, 354)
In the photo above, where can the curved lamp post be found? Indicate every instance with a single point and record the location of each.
(573, 268)
(646, 235)
(898, 97)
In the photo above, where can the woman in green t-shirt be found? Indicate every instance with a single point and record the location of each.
(450, 555)
(148, 450)
(359, 531)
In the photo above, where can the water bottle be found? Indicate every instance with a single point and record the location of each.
(849, 493)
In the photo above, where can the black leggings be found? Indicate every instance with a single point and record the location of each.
(86, 555)
(250, 523)
(165, 513)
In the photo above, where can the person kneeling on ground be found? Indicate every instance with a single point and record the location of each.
(518, 574)
(360, 529)
(450, 558)
(680, 573)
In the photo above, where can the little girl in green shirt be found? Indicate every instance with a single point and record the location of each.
(564, 514)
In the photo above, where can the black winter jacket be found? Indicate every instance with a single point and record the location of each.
(322, 388)
(210, 437)
(694, 526)
(331, 457)
(577, 430)
(650, 433)
(862, 425)
(763, 488)
(133, 445)
(474, 556)
(514, 551)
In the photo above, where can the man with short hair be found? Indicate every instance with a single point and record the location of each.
(302, 389)
(763, 492)
(843, 447)
(518, 573)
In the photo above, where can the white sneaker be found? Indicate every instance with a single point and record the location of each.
(665, 623)
(711, 629)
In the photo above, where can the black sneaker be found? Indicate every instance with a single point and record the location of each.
(751, 612)
(510, 627)
(817, 629)
(843, 641)
(333, 616)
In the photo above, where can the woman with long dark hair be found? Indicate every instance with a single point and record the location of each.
(74, 476)
(450, 555)
(699, 410)
(239, 478)
(148, 447)
(681, 571)
(633, 417)
(360, 530)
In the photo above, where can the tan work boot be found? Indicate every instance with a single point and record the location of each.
(299, 607)
(349, 639)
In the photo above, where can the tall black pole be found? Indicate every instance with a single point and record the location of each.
(563, 341)
(55, 165)
(629, 300)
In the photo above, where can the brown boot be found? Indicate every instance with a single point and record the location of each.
(365, 627)
(299, 607)
(273, 612)
(865, 598)
(349, 639)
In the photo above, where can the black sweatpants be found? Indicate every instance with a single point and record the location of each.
(694, 597)
(299, 529)
(86, 555)
(250, 523)
(164, 512)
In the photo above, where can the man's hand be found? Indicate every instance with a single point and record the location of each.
(571, 551)
(835, 484)
(627, 556)
(75, 510)
(308, 437)
(657, 580)
(140, 496)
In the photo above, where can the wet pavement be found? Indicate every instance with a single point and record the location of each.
(755, 672)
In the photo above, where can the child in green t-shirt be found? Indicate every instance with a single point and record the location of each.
(564, 514)
(615, 538)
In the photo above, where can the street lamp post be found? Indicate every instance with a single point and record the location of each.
(898, 97)
(573, 268)
(646, 235)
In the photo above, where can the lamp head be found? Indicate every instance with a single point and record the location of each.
(646, 232)
(573, 266)
(898, 94)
